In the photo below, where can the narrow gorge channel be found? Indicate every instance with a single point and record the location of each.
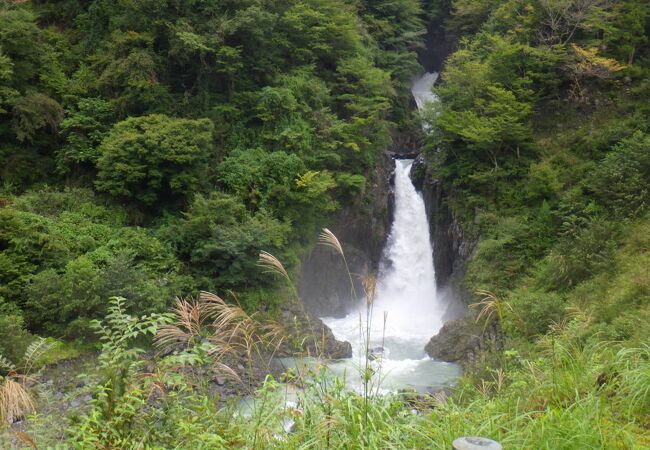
(405, 312)
(406, 309)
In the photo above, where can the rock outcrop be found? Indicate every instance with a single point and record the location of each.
(362, 228)
(439, 43)
(462, 341)
(308, 335)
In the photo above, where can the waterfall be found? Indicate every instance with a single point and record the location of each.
(406, 289)
(421, 89)
(405, 311)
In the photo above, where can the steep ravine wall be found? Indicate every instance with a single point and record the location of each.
(461, 339)
(439, 43)
(362, 227)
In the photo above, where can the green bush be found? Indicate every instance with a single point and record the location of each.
(220, 241)
(155, 159)
(533, 311)
(583, 251)
(65, 255)
(14, 339)
(621, 180)
(84, 128)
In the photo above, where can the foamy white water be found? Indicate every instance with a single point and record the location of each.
(421, 89)
(405, 312)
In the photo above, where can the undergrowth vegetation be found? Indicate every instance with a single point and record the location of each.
(579, 392)
(149, 150)
(541, 142)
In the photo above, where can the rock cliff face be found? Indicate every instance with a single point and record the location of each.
(438, 45)
(460, 340)
(309, 335)
(362, 228)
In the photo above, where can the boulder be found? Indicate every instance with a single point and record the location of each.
(315, 337)
(462, 340)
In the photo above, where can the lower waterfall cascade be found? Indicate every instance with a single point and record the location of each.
(405, 311)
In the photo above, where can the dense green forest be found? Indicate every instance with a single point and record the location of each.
(542, 137)
(150, 149)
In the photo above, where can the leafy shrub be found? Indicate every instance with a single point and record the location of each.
(84, 128)
(621, 180)
(583, 252)
(533, 311)
(220, 240)
(280, 184)
(488, 267)
(33, 113)
(65, 255)
(13, 336)
(351, 185)
(154, 159)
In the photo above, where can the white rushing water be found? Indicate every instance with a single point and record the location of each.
(421, 89)
(406, 310)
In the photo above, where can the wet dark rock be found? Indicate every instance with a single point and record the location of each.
(418, 172)
(314, 337)
(338, 350)
(439, 43)
(406, 154)
(329, 346)
(376, 353)
(362, 227)
(462, 341)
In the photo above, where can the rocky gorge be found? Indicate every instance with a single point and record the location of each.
(363, 228)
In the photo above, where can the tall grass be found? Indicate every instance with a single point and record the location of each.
(329, 239)
(579, 393)
(522, 413)
(16, 399)
(370, 379)
(226, 330)
(271, 264)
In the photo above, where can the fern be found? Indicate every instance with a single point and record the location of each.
(6, 365)
(34, 352)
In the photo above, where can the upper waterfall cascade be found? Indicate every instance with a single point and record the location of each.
(421, 89)
(405, 311)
